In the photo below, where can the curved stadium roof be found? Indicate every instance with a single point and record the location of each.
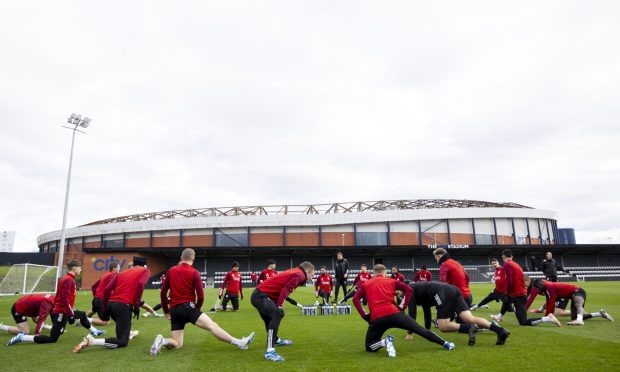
(298, 209)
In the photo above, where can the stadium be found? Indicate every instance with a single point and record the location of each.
(392, 232)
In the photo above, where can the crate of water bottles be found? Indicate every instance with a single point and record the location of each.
(309, 310)
(327, 310)
(343, 309)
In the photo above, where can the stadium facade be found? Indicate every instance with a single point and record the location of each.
(392, 226)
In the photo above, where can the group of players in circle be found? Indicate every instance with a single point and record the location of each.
(118, 296)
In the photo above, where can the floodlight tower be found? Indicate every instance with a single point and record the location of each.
(76, 121)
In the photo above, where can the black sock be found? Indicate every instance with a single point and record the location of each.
(587, 316)
(464, 328)
(495, 328)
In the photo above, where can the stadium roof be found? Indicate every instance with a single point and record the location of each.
(347, 207)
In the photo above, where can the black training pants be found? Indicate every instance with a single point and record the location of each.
(269, 313)
(59, 322)
(340, 283)
(121, 313)
(377, 328)
(234, 299)
(520, 312)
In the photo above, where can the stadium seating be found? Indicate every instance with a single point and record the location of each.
(584, 273)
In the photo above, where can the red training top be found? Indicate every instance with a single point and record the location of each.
(452, 272)
(380, 292)
(280, 286)
(232, 283)
(362, 278)
(423, 276)
(100, 284)
(65, 295)
(399, 277)
(515, 284)
(127, 287)
(266, 274)
(37, 305)
(553, 291)
(324, 282)
(184, 283)
(253, 277)
(499, 278)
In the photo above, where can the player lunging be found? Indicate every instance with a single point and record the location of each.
(181, 298)
(385, 314)
(268, 298)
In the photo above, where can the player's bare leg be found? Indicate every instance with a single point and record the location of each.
(16, 329)
(578, 302)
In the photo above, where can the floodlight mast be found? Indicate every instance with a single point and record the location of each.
(76, 121)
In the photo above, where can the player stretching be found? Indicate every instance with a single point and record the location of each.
(516, 291)
(121, 297)
(360, 279)
(36, 306)
(97, 289)
(423, 275)
(397, 275)
(268, 298)
(63, 311)
(452, 272)
(385, 314)
(269, 272)
(499, 293)
(182, 291)
(449, 301)
(556, 291)
(234, 288)
(323, 286)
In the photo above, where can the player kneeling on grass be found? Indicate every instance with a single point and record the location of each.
(181, 298)
(63, 311)
(323, 286)
(449, 301)
(36, 306)
(121, 299)
(516, 292)
(385, 314)
(563, 291)
(268, 298)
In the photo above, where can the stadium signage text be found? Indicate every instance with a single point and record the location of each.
(100, 264)
(448, 246)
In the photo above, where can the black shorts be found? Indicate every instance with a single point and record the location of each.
(17, 317)
(452, 301)
(182, 314)
(561, 303)
(98, 308)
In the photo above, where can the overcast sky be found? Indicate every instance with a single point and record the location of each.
(203, 103)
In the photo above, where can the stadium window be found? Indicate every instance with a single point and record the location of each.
(371, 238)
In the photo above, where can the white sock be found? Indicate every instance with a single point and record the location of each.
(236, 342)
(165, 342)
(580, 317)
(383, 342)
(93, 329)
(4, 327)
(97, 342)
(546, 319)
(27, 338)
(594, 315)
(269, 350)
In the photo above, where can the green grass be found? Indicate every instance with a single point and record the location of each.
(334, 343)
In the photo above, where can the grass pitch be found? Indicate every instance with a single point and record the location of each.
(333, 342)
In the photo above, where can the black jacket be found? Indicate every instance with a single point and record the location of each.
(550, 267)
(342, 266)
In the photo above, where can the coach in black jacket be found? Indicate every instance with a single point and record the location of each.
(550, 268)
(342, 267)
